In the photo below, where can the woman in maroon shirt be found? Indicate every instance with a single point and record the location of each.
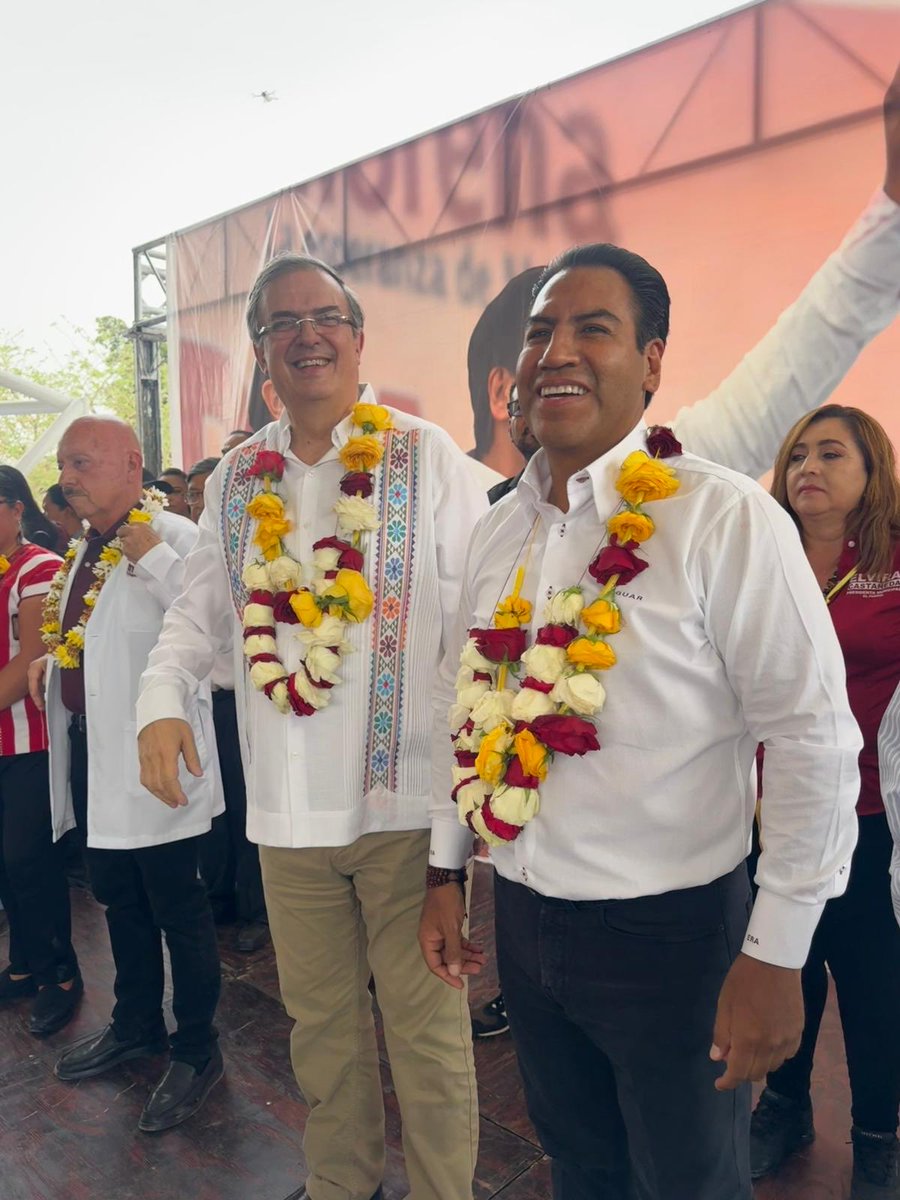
(836, 476)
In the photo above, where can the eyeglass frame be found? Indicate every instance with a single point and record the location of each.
(326, 320)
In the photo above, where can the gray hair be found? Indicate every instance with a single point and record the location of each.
(283, 264)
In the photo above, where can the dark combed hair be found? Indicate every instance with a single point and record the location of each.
(876, 521)
(284, 264)
(205, 466)
(174, 471)
(496, 341)
(36, 526)
(650, 295)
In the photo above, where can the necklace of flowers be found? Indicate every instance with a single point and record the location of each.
(66, 648)
(504, 739)
(337, 592)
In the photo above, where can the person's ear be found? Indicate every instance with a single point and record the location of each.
(500, 382)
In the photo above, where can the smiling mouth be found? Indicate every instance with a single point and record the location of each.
(554, 390)
(303, 363)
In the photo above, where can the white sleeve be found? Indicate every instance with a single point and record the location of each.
(889, 773)
(767, 620)
(803, 358)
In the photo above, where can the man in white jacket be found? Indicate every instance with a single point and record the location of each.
(102, 619)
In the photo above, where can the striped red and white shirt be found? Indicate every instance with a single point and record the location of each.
(23, 728)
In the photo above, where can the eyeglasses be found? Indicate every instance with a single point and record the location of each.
(512, 409)
(284, 326)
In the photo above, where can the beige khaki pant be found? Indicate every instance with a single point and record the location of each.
(335, 913)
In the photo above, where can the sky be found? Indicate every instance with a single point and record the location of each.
(124, 122)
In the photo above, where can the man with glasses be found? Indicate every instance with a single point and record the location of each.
(336, 798)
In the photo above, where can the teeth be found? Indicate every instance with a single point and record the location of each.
(312, 362)
(564, 390)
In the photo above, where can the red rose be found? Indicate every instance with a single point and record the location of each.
(298, 704)
(500, 645)
(259, 597)
(281, 606)
(536, 685)
(617, 560)
(565, 735)
(662, 442)
(465, 758)
(500, 829)
(555, 635)
(267, 462)
(357, 483)
(259, 630)
(351, 559)
(516, 777)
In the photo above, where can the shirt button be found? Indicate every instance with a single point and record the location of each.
(562, 529)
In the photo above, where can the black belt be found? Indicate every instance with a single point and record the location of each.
(78, 723)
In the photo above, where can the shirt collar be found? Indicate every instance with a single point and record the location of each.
(600, 476)
(107, 536)
(279, 437)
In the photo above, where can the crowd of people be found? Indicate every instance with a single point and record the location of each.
(291, 685)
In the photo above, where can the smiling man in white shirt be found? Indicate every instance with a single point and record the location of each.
(336, 740)
(630, 971)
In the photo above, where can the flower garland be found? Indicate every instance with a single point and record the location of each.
(4, 564)
(504, 739)
(66, 649)
(337, 594)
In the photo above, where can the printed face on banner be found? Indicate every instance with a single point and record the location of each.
(311, 364)
(581, 377)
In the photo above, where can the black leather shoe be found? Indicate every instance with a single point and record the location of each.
(15, 989)
(778, 1127)
(252, 936)
(876, 1166)
(179, 1093)
(102, 1051)
(55, 1007)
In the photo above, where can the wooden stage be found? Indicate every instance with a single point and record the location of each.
(80, 1142)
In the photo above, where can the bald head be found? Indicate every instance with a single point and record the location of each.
(100, 469)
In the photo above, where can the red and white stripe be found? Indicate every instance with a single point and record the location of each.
(23, 728)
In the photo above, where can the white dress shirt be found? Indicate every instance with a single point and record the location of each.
(323, 780)
(726, 643)
(889, 772)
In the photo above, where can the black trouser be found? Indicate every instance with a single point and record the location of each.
(32, 883)
(146, 890)
(611, 1006)
(229, 863)
(858, 937)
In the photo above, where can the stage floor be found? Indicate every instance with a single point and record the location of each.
(80, 1142)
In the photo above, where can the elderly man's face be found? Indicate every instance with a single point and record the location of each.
(99, 475)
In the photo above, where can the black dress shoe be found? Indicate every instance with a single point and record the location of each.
(252, 936)
(778, 1127)
(102, 1051)
(179, 1093)
(55, 1007)
(15, 989)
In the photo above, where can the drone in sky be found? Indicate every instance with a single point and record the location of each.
(266, 97)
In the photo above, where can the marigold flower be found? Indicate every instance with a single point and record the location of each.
(643, 478)
(361, 453)
(512, 612)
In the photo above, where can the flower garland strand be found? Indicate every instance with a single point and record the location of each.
(66, 649)
(504, 739)
(337, 593)
(4, 564)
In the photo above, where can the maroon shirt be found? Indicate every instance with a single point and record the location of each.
(866, 615)
(71, 681)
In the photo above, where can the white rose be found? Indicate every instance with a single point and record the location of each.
(483, 832)
(469, 696)
(515, 805)
(285, 573)
(256, 576)
(545, 663)
(582, 692)
(329, 632)
(457, 717)
(258, 614)
(356, 515)
(564, 607)
(468, 741)
(262, 673)
(317, 697)
(464, 676)
(322, 664)
(326, 559)
(472, 659)
(492, 708)
(259, 644)
(530, 703)
(469, 798)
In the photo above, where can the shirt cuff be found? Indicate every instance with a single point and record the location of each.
(781, 930)
(451, 844)
(159, 701)
(156, 561)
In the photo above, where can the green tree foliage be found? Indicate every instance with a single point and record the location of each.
(97, 367)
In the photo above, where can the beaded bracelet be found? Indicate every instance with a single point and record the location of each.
(438, 876)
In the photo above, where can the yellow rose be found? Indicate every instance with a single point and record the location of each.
(631, 527)
(137, 516)
(269, 533)
(584, 652)
(532, 754)
(373, 415)
(643, 478)
(362, 453)
(304, 605)
(265, 505)
(490, 762)
(512, 612)
(358, 592)
(602, 617)
(4, 564)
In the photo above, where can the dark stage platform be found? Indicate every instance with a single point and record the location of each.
(80, 1142)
